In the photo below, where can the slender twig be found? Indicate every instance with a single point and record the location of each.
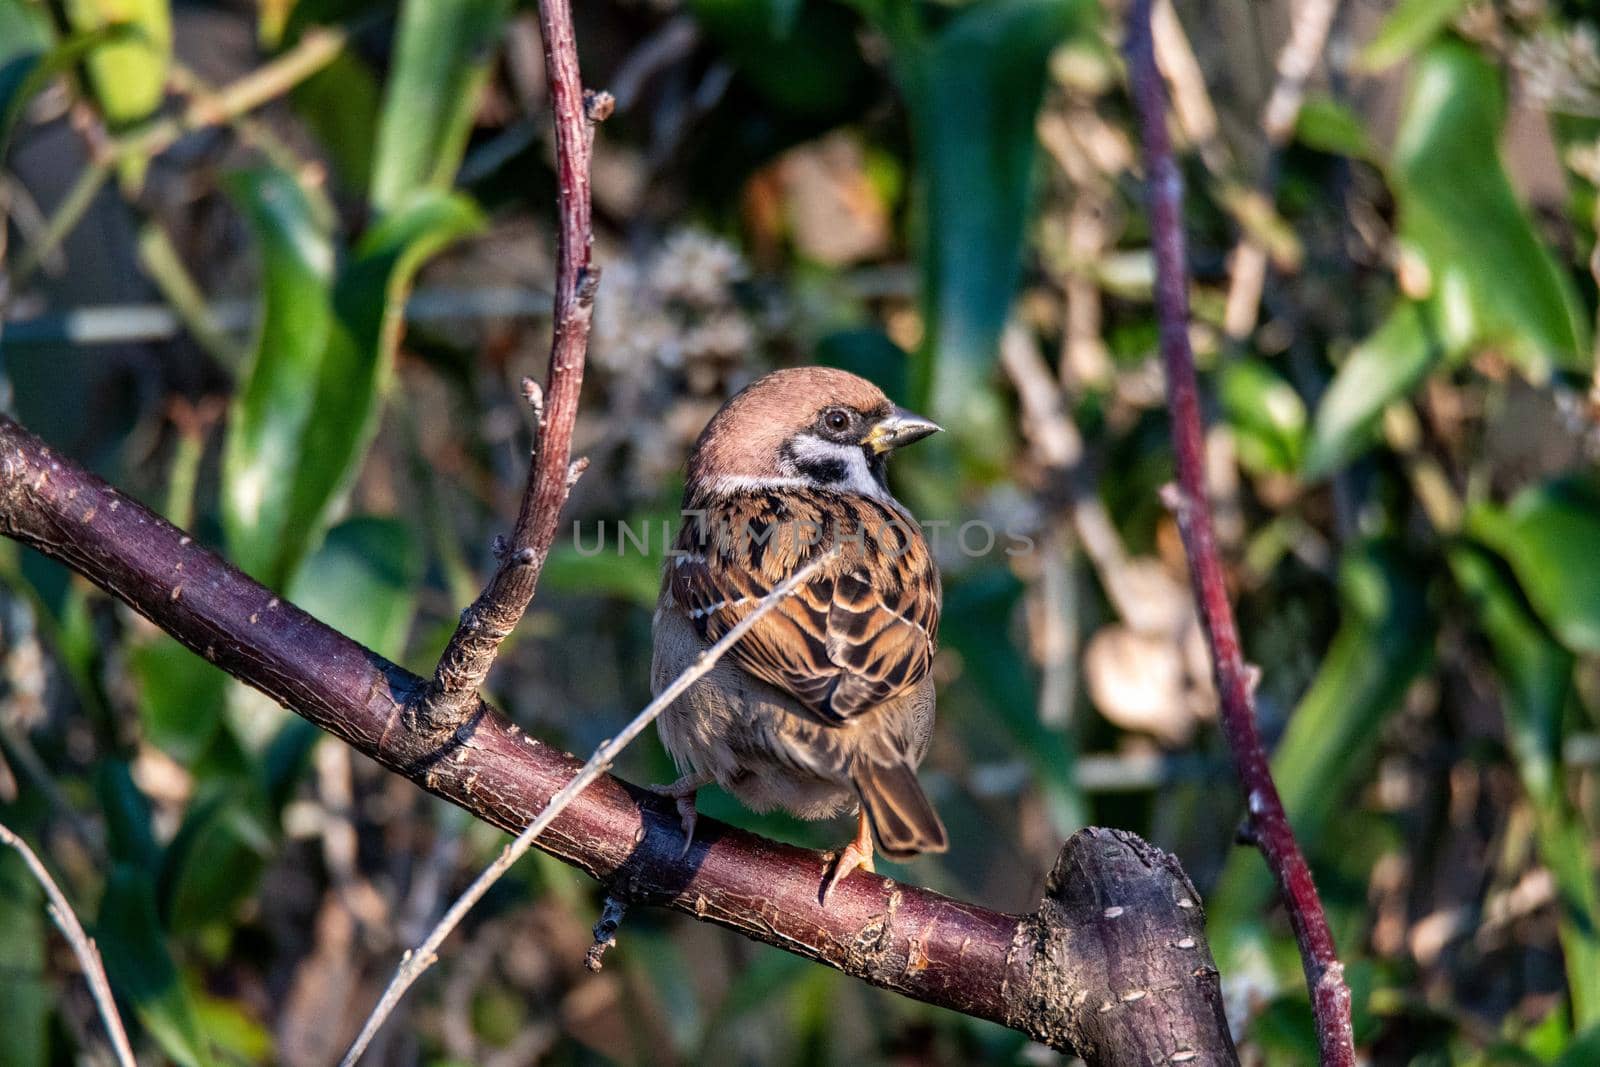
(164, 266)
(1164, 189)
(74, 205)
(418, 960)
(1308, 35)
(316, 49)
(82, 947)
(1059, 446)
(465, 662)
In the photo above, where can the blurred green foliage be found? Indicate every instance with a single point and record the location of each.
(1404, 444)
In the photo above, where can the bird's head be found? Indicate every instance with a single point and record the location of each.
(812, 427)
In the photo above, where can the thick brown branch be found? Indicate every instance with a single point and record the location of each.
(1113, 963)
(452, 695)
(1330, 995)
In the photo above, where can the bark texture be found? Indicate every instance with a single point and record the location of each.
(1112, 964)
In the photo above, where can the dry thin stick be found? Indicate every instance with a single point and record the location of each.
(1330, 996)
(316, 49)
(1058, 444)
(423, 956)
(453, 693)
(1308, 34)
(82, 947)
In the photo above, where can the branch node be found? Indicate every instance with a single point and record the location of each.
(1251, 678)
(533, 396)
(598, 105)
(575, 470)
(605, 932)
(1173, 500)
(525, 557)
(588, 285)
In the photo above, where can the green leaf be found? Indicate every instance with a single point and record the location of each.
(25, 993)
(340, 103)
(1536, 676)
(1382, 369)
(1412, 24)
(285, 760)
(973, 90)
(141, 969)
(1384, 641)
(1550, 533)
(1537, 671)
(265, 456)
(629, 574)
(1329, 126)
(25, 72)
(128, 76)
(130, 838)
(369, 307)
(24, 33)
(1267, 416)
(308, 406)
(233, 1028)
(181, 697)
(442, 60)
(976, 623)
(213, 862)
(1492, 280)
(1584, 1049)
(363, 582)
(802, 59)
(872, 355)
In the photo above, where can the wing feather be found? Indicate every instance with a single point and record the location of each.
(859, 633)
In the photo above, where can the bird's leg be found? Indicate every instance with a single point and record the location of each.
(683, 791)
(858, 853)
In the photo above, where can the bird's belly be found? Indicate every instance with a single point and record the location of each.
(758, 744)
(743, 734)
(749, 747)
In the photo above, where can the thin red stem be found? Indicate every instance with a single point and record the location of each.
(1235, 687)
(452, 694)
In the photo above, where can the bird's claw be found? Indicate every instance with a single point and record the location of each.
(857, 855)
(682, 795)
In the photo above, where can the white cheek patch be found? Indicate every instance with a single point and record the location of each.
(845, 465)
(730, 484)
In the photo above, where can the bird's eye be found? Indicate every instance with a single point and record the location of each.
(836, 420)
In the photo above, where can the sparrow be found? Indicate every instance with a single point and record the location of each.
(827, 703)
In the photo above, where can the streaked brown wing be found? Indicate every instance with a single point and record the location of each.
(857, 634)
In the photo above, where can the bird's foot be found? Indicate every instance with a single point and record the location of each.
(856, 855)
(682, 792)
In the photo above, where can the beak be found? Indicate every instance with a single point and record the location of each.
(901, 427)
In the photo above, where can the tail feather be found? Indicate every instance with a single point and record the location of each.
(902, 819)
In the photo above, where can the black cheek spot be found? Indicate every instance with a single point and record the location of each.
(824, 471)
